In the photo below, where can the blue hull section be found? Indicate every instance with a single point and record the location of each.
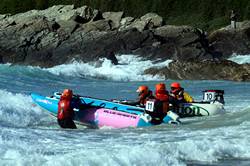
(88, 117)
(47, 103)
(107, 104)
(111, 105)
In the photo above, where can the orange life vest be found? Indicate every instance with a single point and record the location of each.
(64, 109)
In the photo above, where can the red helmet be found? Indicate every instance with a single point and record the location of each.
(142, 90)
(160, 88)
(67, 93)
(176, 85)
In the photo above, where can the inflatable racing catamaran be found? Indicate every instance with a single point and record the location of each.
(212, 104)
(98, 112)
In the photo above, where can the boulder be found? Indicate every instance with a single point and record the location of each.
(100, 25)
(97, 15)
(204, 70)
(125, 23)
(153, 20)
(115, 18)
(172, 31)
(4, 16)
(229, 41)
(85, 12)
(140, 25)
(67, 27)
(59, 12)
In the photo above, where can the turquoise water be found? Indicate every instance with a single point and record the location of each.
(29, 136)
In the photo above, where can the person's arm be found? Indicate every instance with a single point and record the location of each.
(133, 103)
(188, 98)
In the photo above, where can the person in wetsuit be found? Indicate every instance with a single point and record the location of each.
(143, 95)
(65, 113)
(160, 104)
(179, 94)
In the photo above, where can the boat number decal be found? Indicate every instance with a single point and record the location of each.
(209, 96)
(150, 106)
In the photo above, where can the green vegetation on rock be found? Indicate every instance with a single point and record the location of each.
(207, 14)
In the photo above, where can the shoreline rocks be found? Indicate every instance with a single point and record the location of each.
(62, 33)
(204, 70)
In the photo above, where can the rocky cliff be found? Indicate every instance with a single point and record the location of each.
(61, 34)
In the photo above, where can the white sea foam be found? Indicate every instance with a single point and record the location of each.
(240, 59)
(166, 147)
(130, 68)
(17, 110)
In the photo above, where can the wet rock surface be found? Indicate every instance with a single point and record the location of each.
(61, 34)
(204, 70)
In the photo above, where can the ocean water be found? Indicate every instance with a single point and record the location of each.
(29, 136)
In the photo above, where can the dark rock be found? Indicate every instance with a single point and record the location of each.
(100, 25)
(97, 15)
(80, 19)
(229, 41)
(62, 33)
(153, 20)
(55, 26)
(125, 22)
(68, 27)
(114, 17)
(111, 56)
(206, 70)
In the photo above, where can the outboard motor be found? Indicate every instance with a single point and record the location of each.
(213, 96)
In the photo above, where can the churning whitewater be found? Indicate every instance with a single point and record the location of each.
(30, 136)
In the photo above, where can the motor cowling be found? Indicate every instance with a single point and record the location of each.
(213, 96)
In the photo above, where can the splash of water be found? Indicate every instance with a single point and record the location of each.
(240, 59)
(130, 68)
(17, 110)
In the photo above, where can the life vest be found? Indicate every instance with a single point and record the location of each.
(144, 99)
(178, 95)
(164, 98)
(64, 109)
(182, 96)
(156, 108)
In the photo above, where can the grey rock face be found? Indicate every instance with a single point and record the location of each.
(61, 34)
(206, 70)
(153, 19)
(114, 17)
(231, 41)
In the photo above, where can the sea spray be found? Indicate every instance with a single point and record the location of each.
(17, 110)
(130, 68)
(240, 59)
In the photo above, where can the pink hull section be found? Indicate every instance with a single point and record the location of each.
(115, 119)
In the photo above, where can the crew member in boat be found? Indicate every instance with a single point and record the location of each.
(161, 94)
(178, 95)
(144, 94)
(158, 107)
(65, 113)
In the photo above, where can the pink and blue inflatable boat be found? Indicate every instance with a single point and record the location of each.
(100, 113)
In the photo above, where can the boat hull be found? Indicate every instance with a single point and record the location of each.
(199, 109)
(98, 117)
